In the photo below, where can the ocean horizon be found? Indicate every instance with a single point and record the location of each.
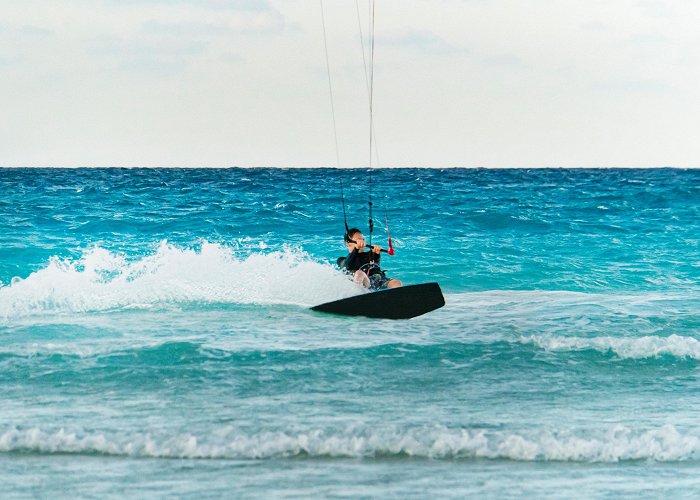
(306, 167)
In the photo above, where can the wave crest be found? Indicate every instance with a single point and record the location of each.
(100, 281)
(664, 444)
(651, 346)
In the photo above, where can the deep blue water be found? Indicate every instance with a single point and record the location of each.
(155, 337)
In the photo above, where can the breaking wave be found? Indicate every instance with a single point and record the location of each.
(101, 281)
(651, 346)
(618, 443)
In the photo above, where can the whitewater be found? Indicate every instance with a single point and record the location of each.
(156, 337)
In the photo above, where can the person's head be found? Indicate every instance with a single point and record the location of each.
(353, 236)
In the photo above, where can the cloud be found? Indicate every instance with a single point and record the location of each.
(26, 31)
(34, 31)
(6, 62)
(20, 42)
(178, 48)
(167, 37)
(184, 28)
(155, 56)
(258, 22)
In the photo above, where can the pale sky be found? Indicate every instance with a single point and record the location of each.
(458, 83)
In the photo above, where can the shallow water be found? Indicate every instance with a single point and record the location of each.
(155, 337)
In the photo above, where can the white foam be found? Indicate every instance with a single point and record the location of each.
(651, 346)
(510, 315)
(618, 443)
(102, 281)
(556, 303)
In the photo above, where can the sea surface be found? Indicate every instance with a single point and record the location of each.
(156, 338)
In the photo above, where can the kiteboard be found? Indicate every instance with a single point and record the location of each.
(392, 303)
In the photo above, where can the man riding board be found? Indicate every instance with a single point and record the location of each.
(365, 265)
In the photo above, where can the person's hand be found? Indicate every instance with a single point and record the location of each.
(360, 244)
(376, 248)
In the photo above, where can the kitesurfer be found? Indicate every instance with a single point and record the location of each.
(365, 265)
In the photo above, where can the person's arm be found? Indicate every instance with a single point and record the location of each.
(352, 263)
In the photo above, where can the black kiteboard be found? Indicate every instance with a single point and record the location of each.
(392, 303)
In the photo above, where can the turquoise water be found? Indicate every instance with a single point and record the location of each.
(155, 337)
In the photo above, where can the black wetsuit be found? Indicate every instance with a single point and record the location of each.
(369, 263)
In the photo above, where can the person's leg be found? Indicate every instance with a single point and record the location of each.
(392, 283)
(361, 279)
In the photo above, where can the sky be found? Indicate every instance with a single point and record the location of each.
(457, 83)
